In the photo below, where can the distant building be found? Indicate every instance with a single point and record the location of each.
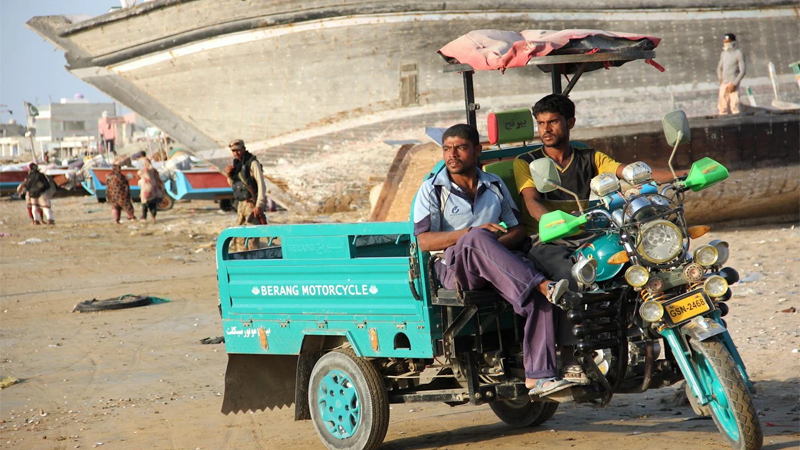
(68, 128)
(13, 143)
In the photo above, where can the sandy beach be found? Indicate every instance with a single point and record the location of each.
(139, 378)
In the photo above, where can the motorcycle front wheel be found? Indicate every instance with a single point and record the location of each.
(730, 403)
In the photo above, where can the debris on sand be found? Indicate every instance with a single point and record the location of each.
(678, 398)
(755, 276)
(7, 381)
(122, 302)
(214, 340)
(32, 241)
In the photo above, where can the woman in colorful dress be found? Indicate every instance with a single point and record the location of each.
(119, 194)
(152, 189)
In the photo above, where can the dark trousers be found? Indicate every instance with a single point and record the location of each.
(555, 261)
(151, 205)
(478, 259)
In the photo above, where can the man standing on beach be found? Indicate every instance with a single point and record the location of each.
(730, 71)
(249, 189)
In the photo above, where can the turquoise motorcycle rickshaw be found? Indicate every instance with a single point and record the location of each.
(343, 320)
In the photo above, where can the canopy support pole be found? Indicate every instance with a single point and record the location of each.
(469, 98)
(575, 78)
(555, 77)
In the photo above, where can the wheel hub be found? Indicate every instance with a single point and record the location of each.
(339, 405)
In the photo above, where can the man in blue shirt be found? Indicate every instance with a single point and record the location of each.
(459, 211)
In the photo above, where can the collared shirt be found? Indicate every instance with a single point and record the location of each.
(442, 206)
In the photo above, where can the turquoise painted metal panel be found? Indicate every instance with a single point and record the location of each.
(335, 279)
(601, 249)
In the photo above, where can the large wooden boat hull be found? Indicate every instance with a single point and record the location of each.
(760, 151)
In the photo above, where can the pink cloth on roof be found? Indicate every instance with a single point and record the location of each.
(499, 50)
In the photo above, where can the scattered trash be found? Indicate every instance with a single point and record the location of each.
(697, 418)
(755, 276)
(215, 340)
(4, 235)
(796, 350)
(7, 381)
(125, 301)
(789, 310)
(32, 241)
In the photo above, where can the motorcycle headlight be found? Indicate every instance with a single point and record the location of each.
(637, 276)
(604, 184)
(585, 271)
(636, 173)
(722, 250)
(715, 286)
(659, 241)
(706, 255)
(651, 311)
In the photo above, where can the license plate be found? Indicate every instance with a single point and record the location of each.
(686, 308)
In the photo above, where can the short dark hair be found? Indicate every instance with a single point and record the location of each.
(463, 131)
(730, 36)
(555, 103)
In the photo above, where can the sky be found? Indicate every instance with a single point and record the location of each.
(31, 69)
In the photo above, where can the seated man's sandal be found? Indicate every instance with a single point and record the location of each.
(556, 290)
(558, 384)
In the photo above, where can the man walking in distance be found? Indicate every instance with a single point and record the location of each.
(247, 180)
(730, 71)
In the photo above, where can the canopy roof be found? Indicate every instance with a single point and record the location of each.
(500, 50)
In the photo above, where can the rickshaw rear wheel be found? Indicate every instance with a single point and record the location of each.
(166, 203)
(522, 412)
(348, 403)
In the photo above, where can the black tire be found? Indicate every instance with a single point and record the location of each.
(371, 398)
(101, 200)
(126, 301)
(521, 413)
(228, 204)
(166, 203)
(712, 355)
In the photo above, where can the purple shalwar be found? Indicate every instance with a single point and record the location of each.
(478, 259)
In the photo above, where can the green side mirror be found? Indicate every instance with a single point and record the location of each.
(558, 224)
(545, 175)
(676, 128)
(705, 173)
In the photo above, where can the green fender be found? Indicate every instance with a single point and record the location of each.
(601, 249)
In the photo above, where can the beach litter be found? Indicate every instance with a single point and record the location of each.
(7, 381)
(32, 241)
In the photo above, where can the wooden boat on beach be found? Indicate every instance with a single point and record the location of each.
(11, 177)
(199, 184)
